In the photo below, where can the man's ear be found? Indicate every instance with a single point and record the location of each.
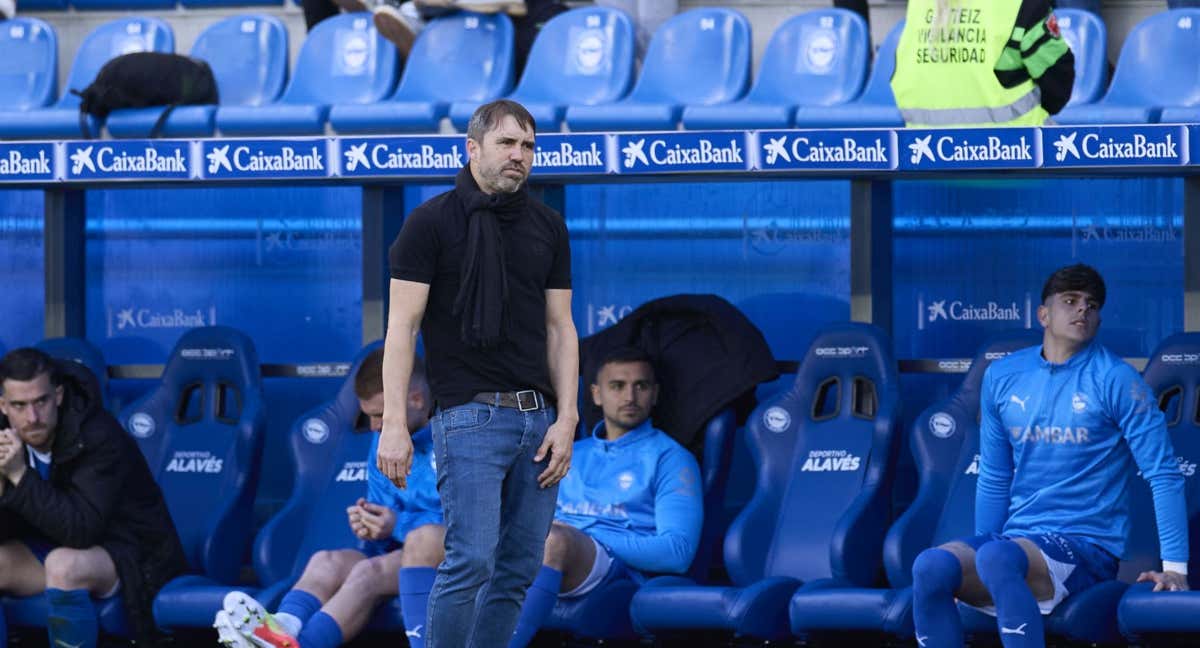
(1043, 314)
(595, 394)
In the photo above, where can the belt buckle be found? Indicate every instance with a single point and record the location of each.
(521, 400)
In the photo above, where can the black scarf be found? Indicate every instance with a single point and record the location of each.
(483, 293)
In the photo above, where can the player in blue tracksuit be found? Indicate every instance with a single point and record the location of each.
(631, 503)
(402, 543)
(1063, 429)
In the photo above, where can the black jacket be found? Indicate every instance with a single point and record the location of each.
(706, 354)
(100, 493)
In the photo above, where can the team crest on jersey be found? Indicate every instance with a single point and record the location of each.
(625, 480)
(1079, 402)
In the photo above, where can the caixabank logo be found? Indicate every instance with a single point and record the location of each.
(26, 162)
(236, 159)
(402, 156)
(1090, 146)
(832, 149)
(681, 152)
(570, 154)
(969, 148)
(131, 160)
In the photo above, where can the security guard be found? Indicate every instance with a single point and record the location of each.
(981, 63)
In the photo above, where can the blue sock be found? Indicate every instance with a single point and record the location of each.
(299, 604)
(321, 631)
(72, 618)
(936, 577)
(415, 585)
(539, 603)
(1002, 566)
(3, 631)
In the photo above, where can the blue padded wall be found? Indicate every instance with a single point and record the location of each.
(22, 323)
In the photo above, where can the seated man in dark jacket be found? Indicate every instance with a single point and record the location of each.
(81, 517)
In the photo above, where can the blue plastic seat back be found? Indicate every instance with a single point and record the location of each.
(1081, 5)
(698, 57)
(879, 85)
(248, 55)
(1084, 31)
(201, 430)
(464, 56)
(329, 448)
(818, 58)
(581, 57)
(81, 351)
(823, 450)
(28, 64)
(343, 60)
(1173, 374)
(121, 36)
(944, 442)
(1144, 78)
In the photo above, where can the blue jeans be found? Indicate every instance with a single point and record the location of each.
(497, 519)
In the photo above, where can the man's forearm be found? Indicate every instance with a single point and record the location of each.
(562, 345)
(398, 348)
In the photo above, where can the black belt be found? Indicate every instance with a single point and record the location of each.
(526, 400)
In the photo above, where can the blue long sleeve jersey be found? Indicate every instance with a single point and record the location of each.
(639, 496)
(1058, 446)
(416, 505)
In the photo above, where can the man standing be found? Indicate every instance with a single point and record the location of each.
(484, 271)
(631, 505)
(81, 517)
(1063, 428)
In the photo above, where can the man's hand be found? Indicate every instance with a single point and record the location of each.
(1165, 581)
(12, 456)
(394, 457)
(559, 441)
(378, 520)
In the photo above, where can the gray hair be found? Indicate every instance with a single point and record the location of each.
(488, 115)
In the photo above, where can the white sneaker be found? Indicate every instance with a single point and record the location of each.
(244, 623)
(227, 633)
(399, 25)
(510, 7)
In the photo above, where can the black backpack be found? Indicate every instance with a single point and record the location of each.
(142, 79)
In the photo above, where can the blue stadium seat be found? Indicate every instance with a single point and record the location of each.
(343, 60)
(944, 441)
(329, 451)
(227, 3)
(604, 613)
(43, 5)
(248, 55)
(1143, 83)
(61, 121)
(28, 64)
(202, 430)
(1081, 5)
(876, 108)
(1145, 617)
(460, 57)
(123, 5)
(824, 451)
(83, 352)
(697, 58)
(818, 58)
(582, 57)
(1084, 31)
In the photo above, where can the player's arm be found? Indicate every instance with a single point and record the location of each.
(995, 464)
(678, 517)
(1135, 410)
(562, 351)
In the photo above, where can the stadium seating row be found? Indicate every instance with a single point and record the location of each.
(579, 75)
(806, 556)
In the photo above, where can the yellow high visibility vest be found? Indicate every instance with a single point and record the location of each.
(945, 74)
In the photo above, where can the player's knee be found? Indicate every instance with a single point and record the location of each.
(328, 567)
(424, 546)
(936, 570)
(68, 569)
(1000, 559)
(558, 546)
(368, 577)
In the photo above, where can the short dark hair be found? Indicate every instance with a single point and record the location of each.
(27, 363)
(369, 380)
(1079, 277)
(488, 115)
(624, 354)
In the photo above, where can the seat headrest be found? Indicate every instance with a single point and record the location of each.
(212, 354)
(1176, 359)
(848, 350)
(337, 416)
(996, 347)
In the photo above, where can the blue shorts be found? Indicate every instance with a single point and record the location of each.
(1075, 563)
